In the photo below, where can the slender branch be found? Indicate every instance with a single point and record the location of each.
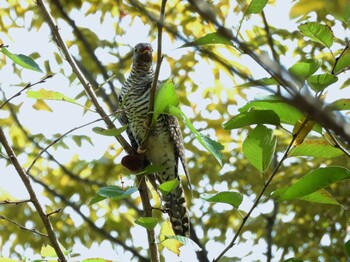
(17, 202)
(80, 76)
(305, 102)
(257, 201)
(156, 75)
(29, 85)
(336, 143)
(23, 227)
(25, 179)
(60, 138)
(88, 46)
(153, 248)
(103, 232)
(58, 210)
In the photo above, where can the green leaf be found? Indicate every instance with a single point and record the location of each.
(48, 251)
(212, 146)
(4, 259)
(340, 104)
(109, 132)
(293, 259)
(185, 241)
(233, 198)
(319, 33)
(22, 60)
(78, 139)
(151, 169)
(211, 38)
(266, 81)
(256, 6)
(347, 248)
(147, 222)
(165, 96)
(320, 82)
(316, 148)
(115, 192)
(253, 117)
(305, 68)
(286, 113)
(321, 197)
(95, 199)
(166, 187)
(342, 62)
(50, 95)
(259, 147)
(314, 181)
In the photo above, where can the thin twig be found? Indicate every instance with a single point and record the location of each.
(336, 143)
(80, 76)
(304, 102)
(16, 202)
(156, 72)
(29, 85)
(23, 227)
(101, 231)
(268, 182)
(25, 179)
(54, 212)
(62, 136)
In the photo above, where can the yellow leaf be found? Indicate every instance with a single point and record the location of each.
(41, 105)
(172, 244)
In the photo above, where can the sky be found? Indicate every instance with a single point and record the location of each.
(27, 42)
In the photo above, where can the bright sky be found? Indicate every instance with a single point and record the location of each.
(25, 42)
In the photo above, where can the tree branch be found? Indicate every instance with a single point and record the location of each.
(29, 85)
(90, 223)
(16, 202)
(80, 76)
(61, 137)
(23, 227)
(25, 179)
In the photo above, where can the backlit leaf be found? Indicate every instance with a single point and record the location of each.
(253, 117)
(259, 147)
(318, 33)
(340, 104)
(321, 197)
(267, 81)
(305, 68)
(256, 6)
(168, 186)
(165, 96)
(233, 198)
(147, 222)
(115, 192)
(301, 129)
(211, 38)
(314, 181)
(316, 148)
(165, 241)
(320, 82)
(109, 132)
(342, 62)
(22, 60)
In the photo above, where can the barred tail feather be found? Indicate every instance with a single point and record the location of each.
(175, 204)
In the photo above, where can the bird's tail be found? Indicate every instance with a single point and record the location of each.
(175, 205)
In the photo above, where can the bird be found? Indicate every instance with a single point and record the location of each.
(164, 145)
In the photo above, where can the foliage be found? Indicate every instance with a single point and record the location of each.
(293, 170)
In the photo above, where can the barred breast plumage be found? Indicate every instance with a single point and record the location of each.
(165, 144)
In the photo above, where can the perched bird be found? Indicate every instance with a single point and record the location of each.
(164, 145)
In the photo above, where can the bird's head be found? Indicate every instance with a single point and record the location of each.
(143, 55)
